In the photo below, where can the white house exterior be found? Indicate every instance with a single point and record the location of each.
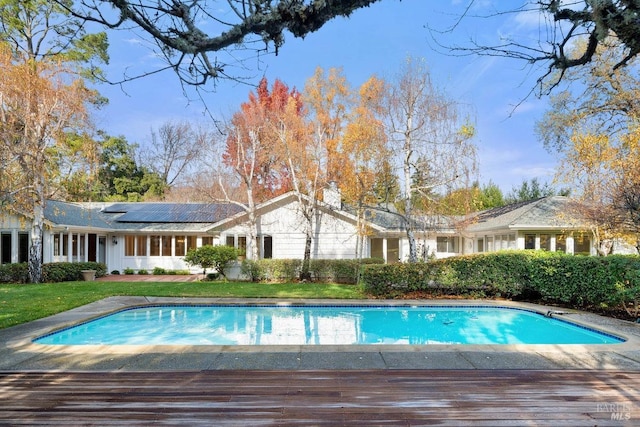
(142, 236)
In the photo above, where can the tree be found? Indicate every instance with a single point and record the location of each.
(426, 133)
(121, 176)
(251, 153)
(364, 153)
(45, 55)
(567, 24)
(532, 190)
(38, 107)
(592, 127)
(217, 257)
(175, 149)
(188, 31)
(490, 197)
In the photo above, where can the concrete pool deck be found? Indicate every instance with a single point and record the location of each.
(19, 353)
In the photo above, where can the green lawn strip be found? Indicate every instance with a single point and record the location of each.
(24, 303)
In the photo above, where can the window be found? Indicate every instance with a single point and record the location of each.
(582, 245)
(129, 245)
(191, 242)
(480, 245)
(489, 240)
(545, 242)
(82, 243)
(74, 245)
(230, 241)
(166, 245)
(154, 245)
(56, 245)
(207, 240)
(512, 241)
(23, 247)
(5, 248)
(447, 244)
(529, 241)
(561, 243)
(65, 245)
(242, 245)
(141, 248)
(181, 245)
(267, 247)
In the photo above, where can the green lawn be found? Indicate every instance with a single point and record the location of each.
(24, 303)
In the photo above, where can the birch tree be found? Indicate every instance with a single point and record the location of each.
(38, 106)
(46, 57)
(427, 133)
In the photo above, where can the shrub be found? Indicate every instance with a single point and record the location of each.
(159, 271)
(70, 271)
(556, 278)
(115, 272)
(217, 257)
(252, 269)
(14, 273)
(143, 272)
(129, 270)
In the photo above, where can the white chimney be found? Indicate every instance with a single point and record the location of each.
(332, 195)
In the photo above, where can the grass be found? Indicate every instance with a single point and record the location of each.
(24, 303)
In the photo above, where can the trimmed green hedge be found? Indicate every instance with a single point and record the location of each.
(287, 270)
(70, 271)
(552, 277)
(14, 273)
(52, 272)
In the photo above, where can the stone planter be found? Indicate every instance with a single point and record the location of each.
(88, 275)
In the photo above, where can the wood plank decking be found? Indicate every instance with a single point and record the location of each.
(348, 398)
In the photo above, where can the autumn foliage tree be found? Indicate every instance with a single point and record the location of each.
(592, 126)
(251, 151)
(39, 104)
(430, 138)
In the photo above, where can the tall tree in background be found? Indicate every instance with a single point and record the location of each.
(364, 153)
(38, 106)
(532, 190)
(592, 126)
(174, 151)
(329, 99)
(426, 133)
(251, 152)
(46, 54)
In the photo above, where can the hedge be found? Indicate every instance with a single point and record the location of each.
(577, 281)
(326, 270)
(70, 271)
(51, 272)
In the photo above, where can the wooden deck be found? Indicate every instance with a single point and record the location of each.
(348, 398)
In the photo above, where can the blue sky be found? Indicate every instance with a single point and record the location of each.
(373, 40)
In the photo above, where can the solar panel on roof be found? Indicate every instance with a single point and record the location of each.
(178, 213)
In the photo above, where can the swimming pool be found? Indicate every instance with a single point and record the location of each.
(324, 325)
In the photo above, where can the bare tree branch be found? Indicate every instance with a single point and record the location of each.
(189, 31)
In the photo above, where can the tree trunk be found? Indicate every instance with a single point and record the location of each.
(37, 225)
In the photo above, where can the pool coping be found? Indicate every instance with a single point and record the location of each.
(19, 353)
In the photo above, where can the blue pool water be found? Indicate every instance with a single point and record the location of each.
(321, 325)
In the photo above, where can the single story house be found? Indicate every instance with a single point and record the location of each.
(142, 236)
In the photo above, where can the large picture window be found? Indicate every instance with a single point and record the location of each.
(181, 245)
(166, 245)
(447, 244)
(154, 245)
(129, 245)
(141, 247)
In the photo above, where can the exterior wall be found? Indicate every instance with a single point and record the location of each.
(333, 237)
(119, 261)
